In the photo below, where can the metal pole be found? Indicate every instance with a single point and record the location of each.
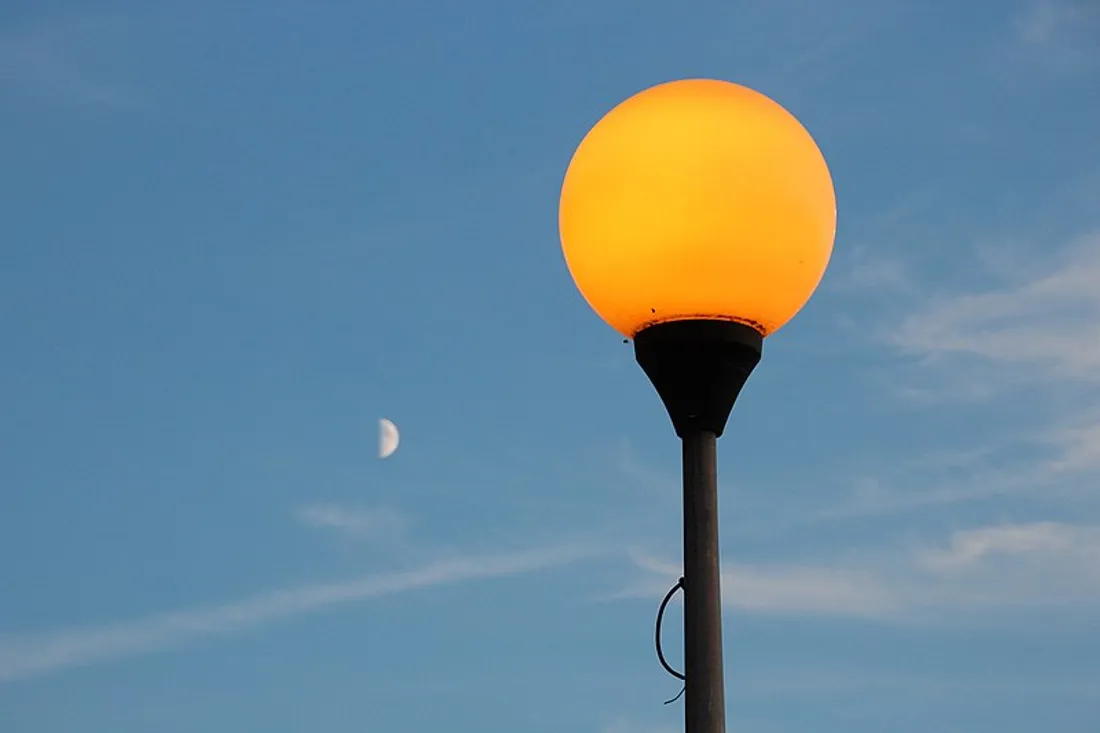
(704, 693)
(698, 368)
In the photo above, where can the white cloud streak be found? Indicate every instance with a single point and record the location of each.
(1079, 448)
(1046, 327)
(967, 550)
(834, 681)
(1057, 462)
(24, 656)
(1037, 333)
(1061, 34)
(624, 725)
(51, 58)
(1041, 565)
(362, 523)
(776, 588)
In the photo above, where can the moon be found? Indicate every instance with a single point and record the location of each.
(388, 438)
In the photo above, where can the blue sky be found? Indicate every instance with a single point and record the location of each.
(234, 235)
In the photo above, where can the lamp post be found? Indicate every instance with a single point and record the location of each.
(697, 218)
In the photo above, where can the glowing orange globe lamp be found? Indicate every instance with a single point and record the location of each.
(697, 199)
(697, 218)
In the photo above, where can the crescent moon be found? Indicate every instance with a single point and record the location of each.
(388, 438)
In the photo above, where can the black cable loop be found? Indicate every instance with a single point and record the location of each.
(657, 637)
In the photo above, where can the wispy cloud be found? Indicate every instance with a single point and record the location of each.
(862, 265)
(873, 274)
(1055, 461)
(625, 725)
(1060, 34)
(833, 681)
(775, 588)
(23, 656)
(1041, 327)
(967, 550)
(646, 477)
(376, 524)
(1030, 330)
(1070, 463)
(1079, 447)
(1041, 565)
(54, 58)
(807, 43)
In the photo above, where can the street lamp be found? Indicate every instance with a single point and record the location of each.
(697, 218)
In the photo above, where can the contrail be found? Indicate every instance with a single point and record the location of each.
(33, 655)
